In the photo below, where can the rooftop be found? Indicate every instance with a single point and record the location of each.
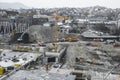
(7, 56)
(39, 75)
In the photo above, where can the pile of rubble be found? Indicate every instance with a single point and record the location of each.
(90, 57)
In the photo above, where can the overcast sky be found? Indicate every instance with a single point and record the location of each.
(67, 3)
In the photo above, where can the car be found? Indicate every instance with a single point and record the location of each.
(109, 41)
(57, 65)
(19, 39)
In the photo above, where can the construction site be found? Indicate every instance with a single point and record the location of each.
(55, 48)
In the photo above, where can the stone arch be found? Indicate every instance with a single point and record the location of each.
(25, 38)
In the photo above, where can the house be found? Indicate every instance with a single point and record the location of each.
(3, 13)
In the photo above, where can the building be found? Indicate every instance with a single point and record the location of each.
(7, 21)
(5, 25)
(97, 36)
(65, 28)
(52, 56)
(40, 19)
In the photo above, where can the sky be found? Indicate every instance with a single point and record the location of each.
(67, 3)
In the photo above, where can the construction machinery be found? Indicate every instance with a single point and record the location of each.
(71, 39)
(57, 17)
(2, 70)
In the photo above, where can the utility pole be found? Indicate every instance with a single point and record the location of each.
(117, 19)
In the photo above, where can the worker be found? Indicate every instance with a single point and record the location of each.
(47, 67)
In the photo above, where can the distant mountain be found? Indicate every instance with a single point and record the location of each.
(4, 5)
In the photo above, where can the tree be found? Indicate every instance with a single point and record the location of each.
(101, 27)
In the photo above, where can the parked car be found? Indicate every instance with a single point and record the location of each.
(57, 65)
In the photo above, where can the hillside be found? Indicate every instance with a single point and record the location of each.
(12, 5)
